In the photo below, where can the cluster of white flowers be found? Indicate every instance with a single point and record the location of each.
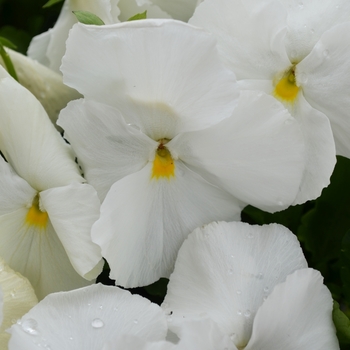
(178, 128)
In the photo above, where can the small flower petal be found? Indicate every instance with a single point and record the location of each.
(297, 315)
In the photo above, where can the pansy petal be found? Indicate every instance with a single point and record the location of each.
(257, 154)
(225, 270)
(308, 20)
(129, 8)
(14, 191)
(48, 48)
(325, 76)
(72, 210)
(30, 142)
(296, 315)
(86, 318)
(250, 35)
(153, 218)
(17, 296)
(320, 150)
(37, 254)
(149, 63)
(107, 148)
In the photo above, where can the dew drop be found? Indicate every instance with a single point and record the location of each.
(260, 276)
(232, 256)
(116, 308)
(264, 298)
(230, 271)
(135, 127)
(266, 289)
(239, 312)
(136, 321)
(100, 307)
(302, 78)
(70, 338)
(280, 203)
(301, 5)
(247, 313)
(238, 292)
(232, 336)
(29, 326)
(89, 304)
(250, 235)
(97, 323)
(13, 293)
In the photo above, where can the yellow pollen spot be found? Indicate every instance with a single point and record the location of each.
(35, 216)
(163, 164)
(286, 89)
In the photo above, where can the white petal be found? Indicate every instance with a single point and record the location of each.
(87, 318)
(178, 9)
(296, 316)
(107, 148)
(250, 35)
(129, 8)
(224, 271)
(29, 140)
(14, 191)
(72, 210)
(153, 218)
(37, 254)
(49, 48)
(326, 82)
(257, 154)
(45, 84)
(17, 296)
(308, 20)
(161, 65)
(320, 151)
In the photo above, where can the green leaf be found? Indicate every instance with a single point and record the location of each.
(342, 324)
(158, 288)
(7, 43)
(345, 265)
(87, 17)
(8, 62)
(138, 16)
(324, 227)
(51, 2)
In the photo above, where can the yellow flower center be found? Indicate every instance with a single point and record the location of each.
(286, 89)
(35, 216)
(163, 164)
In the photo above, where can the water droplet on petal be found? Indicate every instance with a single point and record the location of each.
(29, 326)
(250, 235)
(89, 304)
(135, 127)
(301, 5)
(266, 289)
(238, 292)
(116, 308)
(136, 321)
(97, 323)
(101, 307)
(13, 293)
(247, 313)
(280, 203)
(260, 276)
(264, 298)
(230, 271)
(70, 338)
(239, 312)
(302, 78)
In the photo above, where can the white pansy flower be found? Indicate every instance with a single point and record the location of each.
(45, 84)
(291, 55)
(17, 297)
(46, 212)
(254, 283)
(159, 137)
(86, 319)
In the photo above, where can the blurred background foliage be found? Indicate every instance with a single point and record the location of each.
(322, 226)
